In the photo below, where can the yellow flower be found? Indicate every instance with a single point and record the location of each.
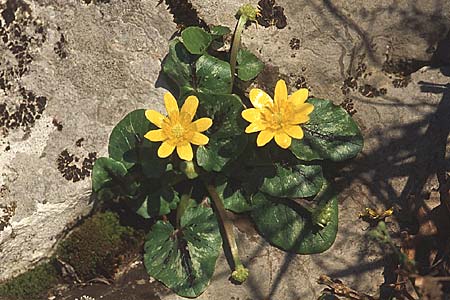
(177, 129)
(279, 118)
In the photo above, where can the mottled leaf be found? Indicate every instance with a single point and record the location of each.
(219, 31)
(248, 65)
(232, 195)
(226, 137)
(288, 225)
(293, 181)
(105, 171)
(127, 138)
(184, 259)
(213, 75)
(331, 134)
(178, 65)
(155, 203)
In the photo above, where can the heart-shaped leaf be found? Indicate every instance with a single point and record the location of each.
(331, 134)
(232, 195)
(213, 75)
(196, 39)
(226, 137)
(248, 65)
(105, 171)
(179, 66)
(184, 259)
(127, 138)
(219, 31)
(155, 203)
(291, 227)
(293, 181)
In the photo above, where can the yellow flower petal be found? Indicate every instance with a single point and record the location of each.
(190, 107)
(283, 140)
(280, 92)
(154, 117)
(185, 151)
(251, 114)
(299, 119)
(305, 109)
(199, 139)
(202, 124)
(259, 98)
(255, 127)
(171, 105)
(264, 137)
(294, 131)
(156, 135)
(299, 97)
(165, 149)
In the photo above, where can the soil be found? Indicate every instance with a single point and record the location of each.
(134, 284)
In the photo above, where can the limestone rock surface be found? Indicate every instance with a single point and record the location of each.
(87, 65)
(69, 72)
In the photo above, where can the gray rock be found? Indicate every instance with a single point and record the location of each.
(93, 64)
(110, 66)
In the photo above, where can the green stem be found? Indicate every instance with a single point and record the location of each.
(184, 203)
(240, 273)
(235, 46)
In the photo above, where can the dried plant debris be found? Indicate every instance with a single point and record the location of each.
(271, 14)
(21, 36)
(335, 287)
(184, 14)
(73, 168)
(7, 211)
(347, 104)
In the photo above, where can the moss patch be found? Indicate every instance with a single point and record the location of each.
(32, 284)
(97, 247)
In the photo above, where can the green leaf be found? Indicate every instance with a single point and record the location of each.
(232, 195)
(184, 260)
(294, 181)
(105, 171)
(219, 31)
(196, 40)
(331, 134)
(226, 137)
(248, 65)
(213, 75)
(206, 74)
(291, 227)
(178, 65)
(156, 203)
(127, 138)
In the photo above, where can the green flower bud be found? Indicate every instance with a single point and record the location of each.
(249, 11)
(240, 274)
(188, 168)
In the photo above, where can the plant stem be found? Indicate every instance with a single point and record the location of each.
(235, 46)
(240, 273)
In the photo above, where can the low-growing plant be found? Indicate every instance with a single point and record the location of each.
(185, 168)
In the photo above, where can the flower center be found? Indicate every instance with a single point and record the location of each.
(278, 118)
(177, 130)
